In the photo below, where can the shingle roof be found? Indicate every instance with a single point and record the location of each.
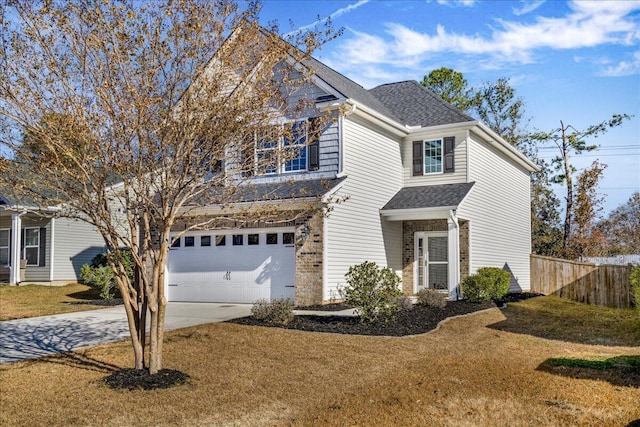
(429, 196)
(416, 105)
(350, 89)
(280, 191)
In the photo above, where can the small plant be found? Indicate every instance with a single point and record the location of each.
(99, 274)
(372, 290)
(403, 302)
(635, 285)
(431, 298)
(278, 311)
(489, 283)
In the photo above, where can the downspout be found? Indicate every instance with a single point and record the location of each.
(51, 253)
(16, 235)
(454, 255)
(347, 113)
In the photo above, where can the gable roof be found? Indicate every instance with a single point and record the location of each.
(429, 196)
(416, 105)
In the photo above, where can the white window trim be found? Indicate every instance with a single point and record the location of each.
(24, 249)
(424, 156)
(281, 166)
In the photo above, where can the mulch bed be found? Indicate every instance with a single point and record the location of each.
(418, 320)
(140, 379)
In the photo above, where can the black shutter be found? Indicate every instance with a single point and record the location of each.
(43, 247)
(449, 149)
(314, 144)
(418, 162)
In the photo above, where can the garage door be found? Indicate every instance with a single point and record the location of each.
(236, 266)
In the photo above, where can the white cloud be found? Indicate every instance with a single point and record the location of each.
(454, 3)
(588, 24)
(528, 7)
(624, 68)
(335, 14)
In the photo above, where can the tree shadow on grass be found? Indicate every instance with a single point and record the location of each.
(60, 338)
(619, 371)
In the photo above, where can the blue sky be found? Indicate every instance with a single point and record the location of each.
(573, 61)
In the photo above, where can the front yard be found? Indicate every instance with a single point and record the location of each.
(526, 365)
(18, 302)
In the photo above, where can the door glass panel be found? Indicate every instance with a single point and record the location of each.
(438, 276)
(437, 249)
(420, 263)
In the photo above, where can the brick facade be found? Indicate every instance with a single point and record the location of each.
(409, 228)
(309, 262)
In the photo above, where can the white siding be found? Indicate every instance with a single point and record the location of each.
(355, 232)
(76, 243)
(460, 159)
(498, 207)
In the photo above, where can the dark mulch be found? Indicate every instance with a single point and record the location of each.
(336, 306)
(418, 320)
(141, 379)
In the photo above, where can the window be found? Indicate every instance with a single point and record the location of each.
(175, 243)
(205, 240)
(433, 156)
(279, 154)
(287, 238)
(238, 240)
(253, 239)
(189, 241)
(32, 246)
(272, 238)
(5, 237)
(221, 240)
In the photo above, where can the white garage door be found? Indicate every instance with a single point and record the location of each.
(239, 266)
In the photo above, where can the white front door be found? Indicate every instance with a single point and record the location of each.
(431, 261)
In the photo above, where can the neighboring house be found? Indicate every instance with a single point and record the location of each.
(50, 250)
(428, 191)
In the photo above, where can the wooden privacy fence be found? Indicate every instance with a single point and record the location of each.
(605, 285)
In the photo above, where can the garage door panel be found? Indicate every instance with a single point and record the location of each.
(232, 273)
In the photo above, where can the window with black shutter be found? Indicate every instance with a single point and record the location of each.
(449, 149)
(417, 158)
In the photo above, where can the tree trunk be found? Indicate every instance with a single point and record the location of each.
(569, 182)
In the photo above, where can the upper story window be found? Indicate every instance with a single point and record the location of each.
(280, 154)
(433, 156)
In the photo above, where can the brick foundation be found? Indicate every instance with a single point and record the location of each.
(309, 267)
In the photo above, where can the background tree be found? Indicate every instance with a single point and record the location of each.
(122, 112)
(451, 86)
(621, 228)
(569, 141)
(586, 239)
(499, 108)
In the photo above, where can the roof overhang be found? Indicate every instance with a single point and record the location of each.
(441, 212)
(503, 146)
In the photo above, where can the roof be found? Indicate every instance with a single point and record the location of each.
(429, 196)
(285, 190)
(416, 105)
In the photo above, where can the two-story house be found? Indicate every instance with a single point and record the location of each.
(426, 190)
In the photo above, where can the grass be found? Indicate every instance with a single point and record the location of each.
(17, 302)
(468, 373)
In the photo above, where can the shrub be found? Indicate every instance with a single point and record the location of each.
(403, 302)
(278, 311)
(99, 274)
(431, 298)
(635, 285)
(488, 283)
(371, 290)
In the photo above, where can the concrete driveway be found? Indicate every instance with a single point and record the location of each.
(41, 336)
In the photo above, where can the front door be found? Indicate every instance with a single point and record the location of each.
(431, 261)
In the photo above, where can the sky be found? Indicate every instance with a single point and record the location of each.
(578, 62)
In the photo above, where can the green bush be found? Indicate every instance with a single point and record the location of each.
(278, 311)
(635, 285)
(431, 298)
(487, 284)
(99, 274)
(371, 290)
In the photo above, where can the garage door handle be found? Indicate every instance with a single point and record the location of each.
(289, 286)
(172, 284)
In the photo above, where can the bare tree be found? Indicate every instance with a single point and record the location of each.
(569, 141)
(133, 116)
(621, 228)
